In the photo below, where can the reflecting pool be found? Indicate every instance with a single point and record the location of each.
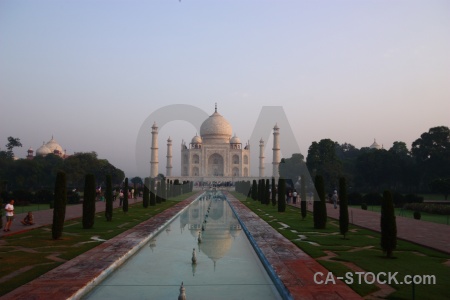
(226, 265)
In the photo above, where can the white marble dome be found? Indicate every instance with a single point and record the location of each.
(375, 145)
(235, 140)
(196, 140)
(43, 150)
(216, 129)
(53, 145)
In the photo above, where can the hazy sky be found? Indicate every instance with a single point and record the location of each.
(90, 72)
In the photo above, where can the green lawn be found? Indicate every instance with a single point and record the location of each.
(441, 219)
(362, 249)
(33, 248)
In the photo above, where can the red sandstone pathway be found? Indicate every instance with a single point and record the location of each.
(428, 234)
(45, 217)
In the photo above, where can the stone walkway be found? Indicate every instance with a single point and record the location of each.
(432, 235)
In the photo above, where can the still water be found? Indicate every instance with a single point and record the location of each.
(226, 264)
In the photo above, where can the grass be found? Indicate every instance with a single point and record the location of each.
(440, 219)
(34, 248)
(362, 249)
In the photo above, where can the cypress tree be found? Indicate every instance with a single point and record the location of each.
(109, 199)
(59, 210)
(319, 209)
(254, 190)
(176, 187)
(303, 200)
(388, 224)
(262, 194)
(267, 193)
(171, 189)
(158, 192)
(163, 190)
(146, 195)
(281, 195)
(125, 196)
(274, 195)
(89, 201)
(343, 206)
(152, 192)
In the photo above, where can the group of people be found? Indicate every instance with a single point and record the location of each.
(9, 208)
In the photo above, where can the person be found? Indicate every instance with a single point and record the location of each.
(335, 199)
(120, 198)
(294, 197)
(9, 215)
(28, 220)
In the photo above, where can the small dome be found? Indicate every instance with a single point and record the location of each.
(30, 150)
(196, 140)
(375, 145)
(216, 129)
(53, 145)
(43, 150)
(235, 140)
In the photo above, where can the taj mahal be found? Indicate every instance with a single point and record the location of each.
(215, 155)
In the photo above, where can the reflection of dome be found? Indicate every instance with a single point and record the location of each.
(216, 128)
(43, 150)
(235, 140)
(196, 140)
(53, 145)
(215, 243)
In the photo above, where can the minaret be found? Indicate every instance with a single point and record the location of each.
(169, 158)
(261, 158)
(276, 151)
(154, 152)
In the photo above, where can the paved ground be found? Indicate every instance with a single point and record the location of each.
(292, 265)
(432, 235)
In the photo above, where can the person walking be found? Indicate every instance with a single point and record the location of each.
(9, 208)
(335, 199)
(294, 197)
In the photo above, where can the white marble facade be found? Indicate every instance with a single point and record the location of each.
(215, 153)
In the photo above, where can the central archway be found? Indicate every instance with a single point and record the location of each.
(215, 165)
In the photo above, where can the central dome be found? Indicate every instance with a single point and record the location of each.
(216, 129)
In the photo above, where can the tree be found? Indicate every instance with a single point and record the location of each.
(12, 143)
(89, 201)
(292, 168)
(262, 191)
(125, 196)
(343, 207)
(59, 209)
(152, 192)
(319, 206)
(146, 196)
(163, 191)
(432, 154)
(254, 190)
(388, 225)
(281, 195)
(158, 192)
(322, 159)
(267, 193)
(274, 192)
(303, 200)
(109, 199)
(441, 185)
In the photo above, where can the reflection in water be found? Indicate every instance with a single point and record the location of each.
(226, 267)
(219, 223)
